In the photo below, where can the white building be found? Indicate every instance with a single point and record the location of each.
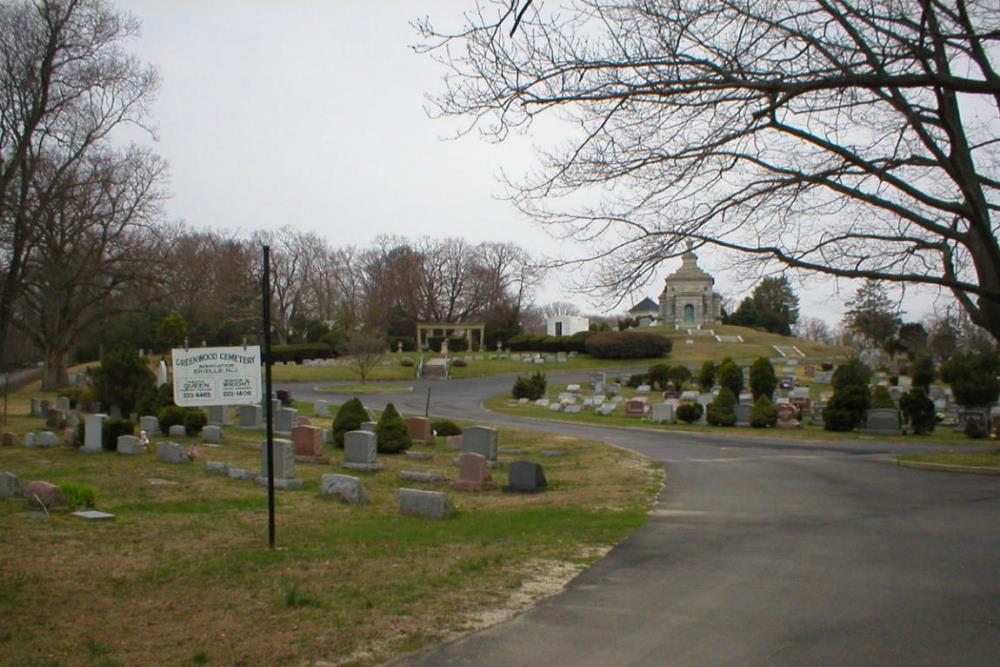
(566, 325)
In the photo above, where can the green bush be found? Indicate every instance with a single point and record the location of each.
(826, 366)
(918, 410)
(348, 418)
(974, 430)
(923, 371)
(627, 345)
(78, 495)
(408, 362)
(113, 428)
(284, 397)
(882, 399)
(706, 376)
(195, 421)
(731, 377)
(851, 373)
(391, 433)
(122, 379)
(156, 399)
(679, 376)
(973, 378)
(689, 412)
(459, 362)
(531, 343)
(763, 381)
(171, 415)
(764, 414)
(847, 408)
(532, 388)
(659, 376)
(636, 379)
(446, 427)
(409, 343)
(720, 411)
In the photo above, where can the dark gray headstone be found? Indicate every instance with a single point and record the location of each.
(525, 477)
(883, 421)
(480, 440)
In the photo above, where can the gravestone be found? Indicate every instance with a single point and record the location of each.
(689, 396)
(742, 412)
(69, 437)
(55, 418)
(284, 466)
(480, 440)
(29, 439)
(218, 415)
(786, 416)
(614, 388)
(285, 420)
(171, 452)
(8, 439)
(149, 424)
(542, 402)
(129, 445)
(474, 473)
(369, 426)
(636, 407)
(10, 485)
(663, 413)
(116, 413)
(73, 420)
(597, 378)
(240, 473)
(421, 476)
(525, 477)
(572, 409)
(35, 409)
(455, 441)
(643, 389)
(360, 451)
(321, 408)
(308, 441)
(704, 400)
(63, 403)
(217, 467)
(344, 487)
(92, 431)
(251, 416)
(425, 504)
(883, 421)
(555, 407)
(48, 439)
(44, 494)
(606, 409)
(966, 415)
(419, 429)
(212, 434)
(43, 408)
(573, 388)
(177, 431)
(816, 416)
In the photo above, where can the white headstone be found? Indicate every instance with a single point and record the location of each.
(92, 432)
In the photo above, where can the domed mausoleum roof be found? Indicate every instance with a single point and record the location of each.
(689, 270)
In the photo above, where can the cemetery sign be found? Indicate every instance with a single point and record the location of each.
(217, 376)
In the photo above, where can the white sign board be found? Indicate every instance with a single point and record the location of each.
(217, 376)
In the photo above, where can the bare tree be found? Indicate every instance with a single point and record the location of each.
(366, 350)
(813, 328)
(559, 308)
(65, 84)
(855, 138)
(97, 236)
(295, 256)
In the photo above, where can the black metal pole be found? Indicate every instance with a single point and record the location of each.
(427, 407)
(268, 408)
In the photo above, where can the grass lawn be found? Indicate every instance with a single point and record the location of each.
(184, 575)
(986, 459)
(504, 404)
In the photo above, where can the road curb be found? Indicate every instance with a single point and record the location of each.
(947, 467)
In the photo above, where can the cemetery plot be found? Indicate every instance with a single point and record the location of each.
(185, 559)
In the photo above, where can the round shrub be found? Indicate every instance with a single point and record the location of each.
(391, 432)
(706, 376)
(851, 373)
(918, 409)
(532, 388)
(627, 345)
(973, 378)
(720, 411)
(659, 376)
(284, 397)
(679, 376)
(689, 412)
(847, 409)
(348, 418)
(635, 380)
(763, 381)
(459, 362)
(195, 421)
(122, 379)
(446, 427)
(171, 415)
(764, 414)
(156, 399)
(731, 377)
(407, 362)
(112, 429)
(923, 371)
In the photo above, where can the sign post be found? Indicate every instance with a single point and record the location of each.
(268, 408)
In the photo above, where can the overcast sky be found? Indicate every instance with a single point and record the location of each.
(311, 113)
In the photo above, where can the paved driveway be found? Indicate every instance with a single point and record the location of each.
(762, 552)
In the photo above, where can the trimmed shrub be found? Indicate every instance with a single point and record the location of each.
(446, 427)
(157, 399)
(764, 414)
(195, 421)
(348, 418)
(391, 432)
(720, 411)
(407, 362)
(627, 345)
(851, 373)
(882, 399)
(171, 415)
(122, 379)
(731, 377)
(532, 388)
(826, 366)
(635, 380)
(973, 378)
(78, 495)
(531, 343)
(459, 362)
(689, 412)
(763, 381)
(298, 352)
(923, 371)
(679, 376)
(112, 429)
(918, 409)
(284, 397)
(706, 376)
(847, 408)
(659, 376)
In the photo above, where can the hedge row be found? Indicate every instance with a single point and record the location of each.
(299, 352)
(529, 343)
(627, 345)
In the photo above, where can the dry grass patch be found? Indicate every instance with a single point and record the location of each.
(184, 575)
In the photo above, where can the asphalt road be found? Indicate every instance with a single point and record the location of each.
(761, 552)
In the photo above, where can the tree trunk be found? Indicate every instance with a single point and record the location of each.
(55, 374)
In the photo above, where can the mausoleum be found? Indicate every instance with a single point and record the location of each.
(688, 298)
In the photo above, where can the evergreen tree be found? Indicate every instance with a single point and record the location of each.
(731, 377)
(775, 305)
(871, 315)
(763, 380)
(706, 377)
(391, 432)
(348, 418)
